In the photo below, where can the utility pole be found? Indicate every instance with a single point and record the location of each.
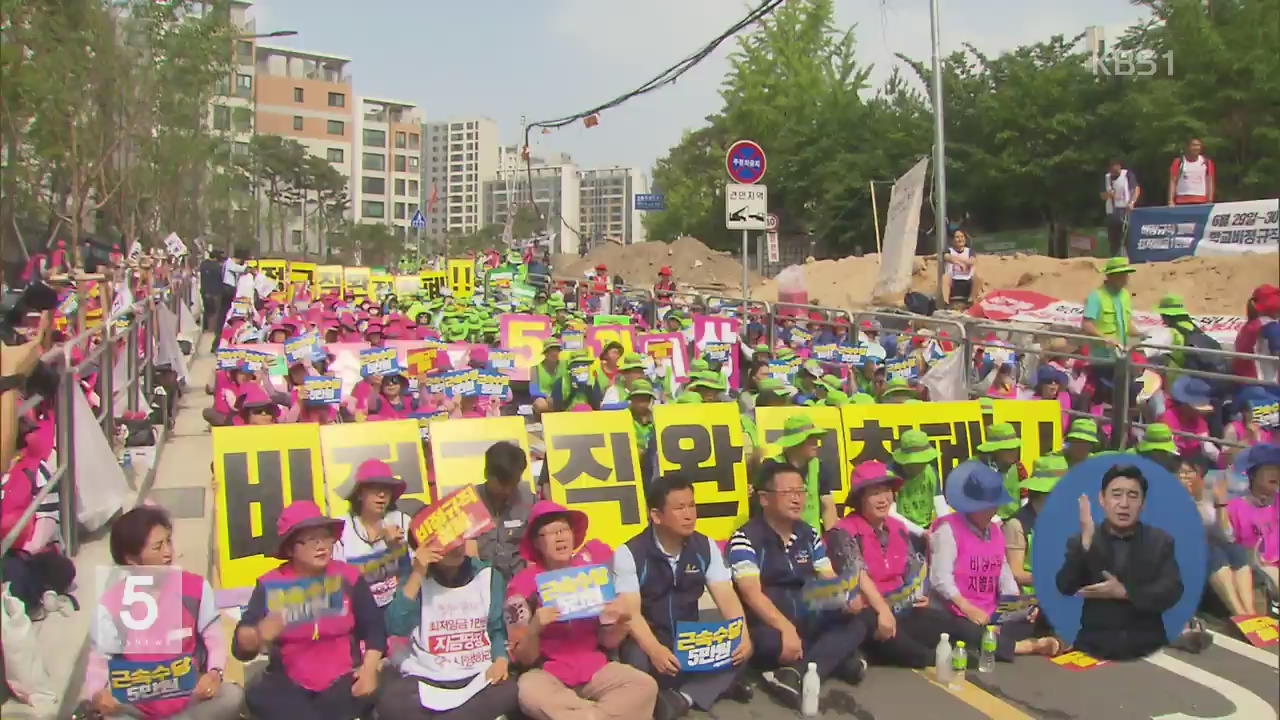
(939, 147)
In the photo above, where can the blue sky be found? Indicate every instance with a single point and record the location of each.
(548, 58)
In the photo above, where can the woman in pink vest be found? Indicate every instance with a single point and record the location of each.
(1255, 517)
(968, 569)
(892, 583)
(319, 616)
(394, 401)
(185, 635)
(1259, 413)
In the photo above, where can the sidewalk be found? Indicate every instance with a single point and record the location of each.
(183, 487)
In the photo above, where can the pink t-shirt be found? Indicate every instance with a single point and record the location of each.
(1193, 423)
(570, 648)
(1256, 526)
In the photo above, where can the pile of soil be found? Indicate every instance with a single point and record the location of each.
(693, 264)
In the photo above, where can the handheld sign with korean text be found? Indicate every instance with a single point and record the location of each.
(458, 517)
(578, 592)
(490, 383)
(379, 361)
(306, 600)
(1013, 608)
(320, 390)
(135, 681)
(707, 646)
(833, 594)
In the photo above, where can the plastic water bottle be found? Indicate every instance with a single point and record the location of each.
(126, 460)
(987, 660)
(942, 660)
(809, 692)
(959, 661)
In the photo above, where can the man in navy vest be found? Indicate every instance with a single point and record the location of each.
(660, 575)
(771, 558)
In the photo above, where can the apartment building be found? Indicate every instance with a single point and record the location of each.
(510, 159)
(555, 190)
(607, 205)
(389, 142)
(459, 156)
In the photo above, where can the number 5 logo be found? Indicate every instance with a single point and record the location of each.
(132, 597)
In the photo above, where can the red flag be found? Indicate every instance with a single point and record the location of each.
(591, 120)
(431, 201)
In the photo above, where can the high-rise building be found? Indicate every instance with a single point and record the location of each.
(459, 156)
(389, 141)
(607, 206)
(555, 190)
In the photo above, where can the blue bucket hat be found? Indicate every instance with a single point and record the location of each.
(1191, 391)
(974, 486)
(1257, 456)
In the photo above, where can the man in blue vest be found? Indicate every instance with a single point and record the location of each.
(660, 575)
(772, 558)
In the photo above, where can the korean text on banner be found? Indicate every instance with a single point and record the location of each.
(592, 466)
(577, 592)
(135, 681)
(259, 470)
(831, 447)
(462, 278)
(1037, 422)
(873, 431)
(1231, 228)
(459, 516)
(321, 390)
(458, 446)
(398, 443)
(669, 352)
(709, 329)
(523, 335)
(901, 231)
(705, 444)
(600, 335)
(707, 646)
(306, 600)
(829, 593)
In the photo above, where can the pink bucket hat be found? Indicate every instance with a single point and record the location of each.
(300, 515)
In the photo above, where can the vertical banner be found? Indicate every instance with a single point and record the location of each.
(717, 329)
(259, 470)
(901, 232)
(873, 431)
(398, 443)
(523, 335)
(669, 352)
(432, 282)
(600, 335)
(1037, 422)
(831, 447)
(592, 466)
(705, 444)
(462, 278)
(458, 446)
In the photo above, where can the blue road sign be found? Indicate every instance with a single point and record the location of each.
(419, 220)
(745, 162)
(651, 201)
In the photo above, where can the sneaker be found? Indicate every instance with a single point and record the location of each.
(1195, 639)
(739, 692)
(670, 706)
(784, 685)
(854, 669)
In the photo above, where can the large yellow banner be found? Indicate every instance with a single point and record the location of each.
(831, 447)
(458, 446)
(462, 278)
(259, 470)
(1038, 423)
(398, 443)
(592, 466)
(705, 444)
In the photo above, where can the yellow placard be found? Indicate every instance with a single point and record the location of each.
(302, 272)
(831, 447)
(705, 444)
(432, 281)
(355, 281)
(592, 465)
(329, 278)
(462, 278)
(458, 446)
(1037, 422)
(260, 470)
(873, 431)
(398, 443)
(407, 286)
(380, 285)
(275, 269)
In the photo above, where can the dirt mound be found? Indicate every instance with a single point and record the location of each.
(692, 263)
(1208, 285)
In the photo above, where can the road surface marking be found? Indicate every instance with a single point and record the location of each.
(979, 699)
(1248, 706)
(1239, 647)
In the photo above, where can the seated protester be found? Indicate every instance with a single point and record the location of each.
(508, 500)
(1157, 445)
(968, 570)
(144, 537)
(355, 406)
(710, 386)
(807, 383)
(442, 680)
(546, 377)
(660, 575)
(1082, 441)
(227, 386)
(573, 392)
(1002, 450)
(255, 407)
(1255, 517)
(747, 398)
(870, 539)
(640, 401)
(1125, 571)
(607, 372)
(1190, 403)
(393, 402)
(569, 675)
(373, 538)
(1230, 575)
(914, 461)
(897, 391)
(310, 671)
(1247, 428)
(630, 370)
(1020, 529)
(785, 634)
(1005, 384)
(1051, 384)
(800, 443)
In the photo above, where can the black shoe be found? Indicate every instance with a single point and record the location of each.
(740, 692)
(784, 685)
(670, 706)
(853, 670)
(1195, 639)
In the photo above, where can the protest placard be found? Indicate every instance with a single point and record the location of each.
(379, 361)
(707, 646)
(135, 681)
(578, 592)
(306, 600)
(321, 390)
(833, 594)
(458, 517)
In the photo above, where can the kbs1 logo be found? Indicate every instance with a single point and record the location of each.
(1131, 63)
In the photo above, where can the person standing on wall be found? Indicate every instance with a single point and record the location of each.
(1192, 179)
(232, 268)
(1120, 191)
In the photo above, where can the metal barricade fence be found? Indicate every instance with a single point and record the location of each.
(642, 296)
(135, 343)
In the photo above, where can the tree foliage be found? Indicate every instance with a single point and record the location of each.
(1028, 132)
